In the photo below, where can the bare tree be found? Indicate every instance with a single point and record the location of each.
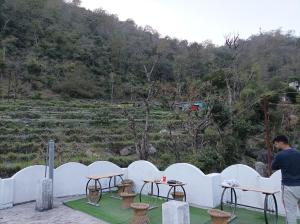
(174, 141)
(112, 82)
(197, 121)
(142, 141)
(232, 41)
(76, 2)
(232, 78)
(195, 125)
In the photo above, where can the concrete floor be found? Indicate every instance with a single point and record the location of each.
(60, 214)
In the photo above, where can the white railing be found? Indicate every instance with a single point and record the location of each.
(202, 190)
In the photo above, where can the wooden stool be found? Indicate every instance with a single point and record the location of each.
(140, 213)
(93, 195)
(124, 188)
(179, 196)
(130, 187)
(127, 199)
(127, 181)
(218, 216)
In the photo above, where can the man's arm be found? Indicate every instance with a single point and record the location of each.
(276, 163)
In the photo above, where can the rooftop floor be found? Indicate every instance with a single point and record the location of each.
(108, 210)
(26, 213)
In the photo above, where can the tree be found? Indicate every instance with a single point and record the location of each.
(231, 76)
(197, 121)
(142, 138)
(112, 81)
(76, 2)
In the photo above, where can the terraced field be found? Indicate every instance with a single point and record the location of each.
(84, 131)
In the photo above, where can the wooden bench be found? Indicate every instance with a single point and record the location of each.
(270, 203)
(97, 185)
(172, 189)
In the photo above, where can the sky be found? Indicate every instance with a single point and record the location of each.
(202, 20)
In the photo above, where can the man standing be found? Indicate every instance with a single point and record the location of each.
(288, 161)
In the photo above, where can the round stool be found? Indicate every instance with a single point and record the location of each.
(127, 181)
(179, 196)
(127, 199)
(218, 216)
(93, 195)
(129, 188)
(140, 213)
(123, 188)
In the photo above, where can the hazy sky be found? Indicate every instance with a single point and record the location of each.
(200, 20)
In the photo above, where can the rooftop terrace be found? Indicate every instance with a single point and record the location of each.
(203, 192)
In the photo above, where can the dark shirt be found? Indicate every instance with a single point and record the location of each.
(288, 161)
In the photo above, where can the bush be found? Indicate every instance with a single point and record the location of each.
(209, 160)
(120, 161)
(103, 118)
(292, 94)
(29, 115)
(8, 171)
(77, 87)
(85, 161)
(165, 160)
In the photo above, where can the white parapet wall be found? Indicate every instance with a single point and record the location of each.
(69, 179)
(202, 190)
(199, 187)
(248, 177)
(6, 193)
(26, 183)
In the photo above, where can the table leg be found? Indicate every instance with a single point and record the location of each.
(109, 184)
(151, 189)
(86, 188)
(232, 200)
(174, 192)
(121, 177)
(157, 186)
(169, 192)
(100, 191)
(141, 191)
(270, 209)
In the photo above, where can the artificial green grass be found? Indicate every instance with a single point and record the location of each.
(111, 212)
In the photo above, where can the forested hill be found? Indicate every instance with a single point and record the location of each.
(49, 46)
(52, 52)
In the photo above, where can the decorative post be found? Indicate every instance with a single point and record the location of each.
(51, 159)
(44, 199)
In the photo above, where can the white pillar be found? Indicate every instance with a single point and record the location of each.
(6, 193)
(44, 199)
(175, 212)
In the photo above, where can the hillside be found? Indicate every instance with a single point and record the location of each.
(84, 131)
(48, 44)
(97, 85)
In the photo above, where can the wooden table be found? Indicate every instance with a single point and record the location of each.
(158, 183)
(97, 178)
(270, 203)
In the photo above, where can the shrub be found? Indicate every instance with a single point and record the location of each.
(8, 171)
(29, 115)
(209, 160)
(120, 161)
